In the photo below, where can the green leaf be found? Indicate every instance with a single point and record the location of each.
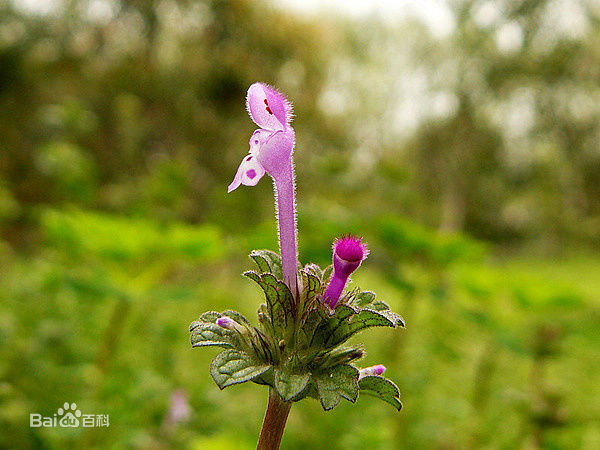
(279, 300)
(276, 302)
(264, 348)
(290, 385)
(341, 355)
(262, 263)
(268, 261)
(210, 316)
(314, 270)
(312, 284)
(348, 296)
(329, 325)
(337, 383)
(264, 317)
(366, 318)
(255, 276)
(309, 326)
(309, 391)
(379, 306)
(266, 379)
(238, 317)
(381, 388)
(234, 367)
(211, 334)
(327, 273)
(364, 298)
(391, 315)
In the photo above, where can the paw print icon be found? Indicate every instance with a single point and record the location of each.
(69, 415)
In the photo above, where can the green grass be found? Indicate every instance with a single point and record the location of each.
(496, 354)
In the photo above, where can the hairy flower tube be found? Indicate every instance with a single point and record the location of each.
(271, 148)
(348, 254)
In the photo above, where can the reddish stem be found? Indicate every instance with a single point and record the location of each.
(274, 423)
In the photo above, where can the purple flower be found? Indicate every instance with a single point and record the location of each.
(348, 253)
(371, 371)
(271, 148)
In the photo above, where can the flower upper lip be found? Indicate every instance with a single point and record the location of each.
(270, 110)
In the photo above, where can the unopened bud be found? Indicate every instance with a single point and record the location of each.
(230, 324)
(371, 371)
(348, 254)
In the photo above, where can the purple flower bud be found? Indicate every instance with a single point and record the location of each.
(371, 371)
(348, 254)
(230, 324)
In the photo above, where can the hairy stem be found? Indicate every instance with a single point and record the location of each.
(286, 217)
(274, 423)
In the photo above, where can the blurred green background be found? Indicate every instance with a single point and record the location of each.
(461, 138)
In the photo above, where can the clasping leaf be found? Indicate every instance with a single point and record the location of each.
(234, 367)
(279, 300)
(268, 262)
(207, 333)
(290, 385)
(381, 388)
(337, 383)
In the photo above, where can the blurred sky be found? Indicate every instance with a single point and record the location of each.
(415, 100)
(567, 16)
(434, 13)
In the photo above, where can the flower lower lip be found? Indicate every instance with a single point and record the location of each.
(351, 261)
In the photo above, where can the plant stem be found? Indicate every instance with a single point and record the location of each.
(286, 217)
(274, 423)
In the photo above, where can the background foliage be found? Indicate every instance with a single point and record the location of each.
(469, 160)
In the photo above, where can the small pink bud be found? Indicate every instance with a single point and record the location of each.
(371, 371)
(230, 324)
